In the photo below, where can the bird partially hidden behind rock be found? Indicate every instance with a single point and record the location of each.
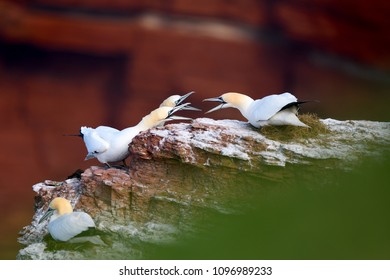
(67, 226)
(276, 109)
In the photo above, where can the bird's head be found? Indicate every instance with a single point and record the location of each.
(171, 101)
(60, 205)
(175, 100)
(229, 100)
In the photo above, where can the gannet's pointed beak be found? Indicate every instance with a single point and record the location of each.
(215, 99)
(89, 156)
(45, 216)
(178, 108)
(220, 106)
(188, 107)
(191, 108)
(178, 118)
(181, 99)
(78, 135)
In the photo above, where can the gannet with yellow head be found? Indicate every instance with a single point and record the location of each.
(65, 224)
(108, 144)
(175, 100)
(276, 109)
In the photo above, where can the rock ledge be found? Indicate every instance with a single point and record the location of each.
(186, 171)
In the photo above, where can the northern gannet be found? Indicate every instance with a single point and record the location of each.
(175, 100)
(108, 144)
(65, 224)
(276, 109)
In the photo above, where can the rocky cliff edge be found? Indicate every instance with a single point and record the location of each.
(184, 172)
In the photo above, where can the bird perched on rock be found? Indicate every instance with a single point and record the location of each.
(276, 109)
(108, 144)
(65, 224)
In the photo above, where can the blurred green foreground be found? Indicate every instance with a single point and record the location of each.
(342, 215)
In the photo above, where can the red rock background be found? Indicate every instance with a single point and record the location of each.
(73, 63)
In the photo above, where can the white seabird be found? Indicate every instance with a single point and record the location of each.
(65, 224)
(276, 109)
(108, 144)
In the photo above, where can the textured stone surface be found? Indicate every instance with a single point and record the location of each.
(184, 171)
(206, 142)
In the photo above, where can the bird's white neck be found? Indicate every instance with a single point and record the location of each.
(243, 104)
(146, 123)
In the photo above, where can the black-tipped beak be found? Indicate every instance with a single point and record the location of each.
(172, 118)
(215, 99)
(177, 108)
(190, 108)
(181, 99)
(47, 215)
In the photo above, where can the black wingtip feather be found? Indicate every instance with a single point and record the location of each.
(297, 103)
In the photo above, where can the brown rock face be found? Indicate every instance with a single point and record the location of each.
(182, 173)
